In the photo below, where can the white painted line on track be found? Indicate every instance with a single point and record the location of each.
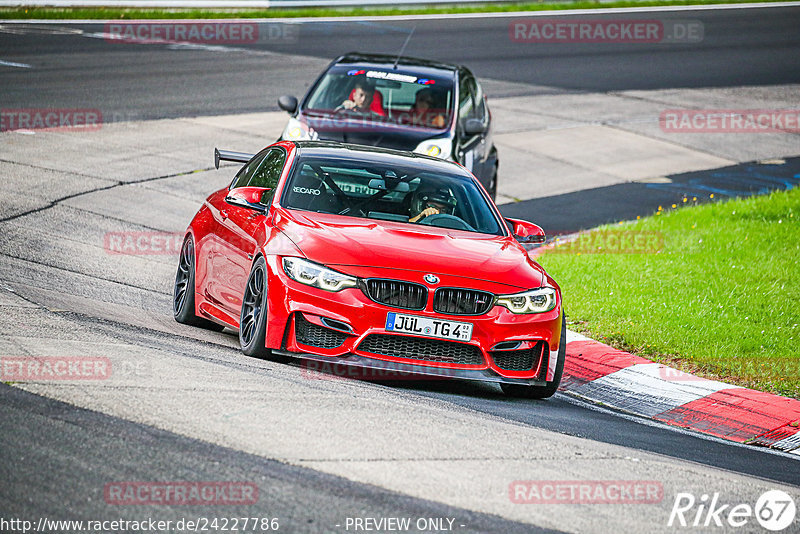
(575, 336)
(590, 404)
(13, 64)
(644, 389)
(378, 18)
(172, 45)
(688, 382)
(790, 444)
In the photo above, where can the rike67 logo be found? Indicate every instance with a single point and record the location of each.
(774, 510)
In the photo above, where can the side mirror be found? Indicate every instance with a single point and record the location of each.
(474, 127)
(288, 103)
(248, 197)
(526, 232)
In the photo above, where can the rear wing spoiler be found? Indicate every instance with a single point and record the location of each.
(229, 155)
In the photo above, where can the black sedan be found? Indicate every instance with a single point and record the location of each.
(402, 103)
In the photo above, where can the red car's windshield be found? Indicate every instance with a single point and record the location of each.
(406, 194)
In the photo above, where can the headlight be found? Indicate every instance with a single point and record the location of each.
(535, 301)
(313, 274)
(297, 131)
(437, 148)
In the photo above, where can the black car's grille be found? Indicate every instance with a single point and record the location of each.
(518, 360)
(456, 301)
(397, 293)
(415, 348)
(309, 333)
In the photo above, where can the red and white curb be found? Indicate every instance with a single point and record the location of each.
(615, 378)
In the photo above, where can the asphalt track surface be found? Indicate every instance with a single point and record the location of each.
(133, 81)
(48, 471)
(48, 467)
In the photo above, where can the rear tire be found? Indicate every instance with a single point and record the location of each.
(253, 318)
(542, 392)
(183, 293)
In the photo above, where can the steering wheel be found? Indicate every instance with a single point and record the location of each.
(445, 220)
(351, 111)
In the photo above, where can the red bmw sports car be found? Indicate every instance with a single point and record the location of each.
(372, 258)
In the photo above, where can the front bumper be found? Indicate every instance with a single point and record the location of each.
(360, 367)
(342, 322)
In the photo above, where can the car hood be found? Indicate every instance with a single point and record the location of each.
(364, 131)
(363, 247)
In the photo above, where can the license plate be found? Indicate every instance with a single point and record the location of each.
(427, 326)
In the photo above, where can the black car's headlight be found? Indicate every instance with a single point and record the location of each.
(535, 301)
(314, 274)
(298, 131)
(437, 148)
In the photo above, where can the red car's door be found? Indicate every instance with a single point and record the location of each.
(230, 264)
(237, 232)
(216, 252)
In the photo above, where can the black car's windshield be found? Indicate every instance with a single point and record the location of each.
(384, 95)
(392, 192)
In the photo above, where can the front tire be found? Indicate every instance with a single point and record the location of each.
(547, 391)
(253, 318)
(183, 293)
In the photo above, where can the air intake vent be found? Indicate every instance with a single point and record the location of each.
(415, 348)
(518, 360)
(314, 335)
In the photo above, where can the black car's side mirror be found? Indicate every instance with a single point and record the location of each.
(474, 127)
(288, 103)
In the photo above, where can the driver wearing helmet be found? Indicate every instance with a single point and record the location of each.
(426, 202)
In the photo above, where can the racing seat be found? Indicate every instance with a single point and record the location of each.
(377, 102)
(309, 193)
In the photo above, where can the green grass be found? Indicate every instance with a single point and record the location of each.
(113, 13)
(721, 299)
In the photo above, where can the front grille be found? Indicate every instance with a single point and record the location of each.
(518, 360)
(456, 301)
(397, 293)
(415, 348)
(309, 333)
